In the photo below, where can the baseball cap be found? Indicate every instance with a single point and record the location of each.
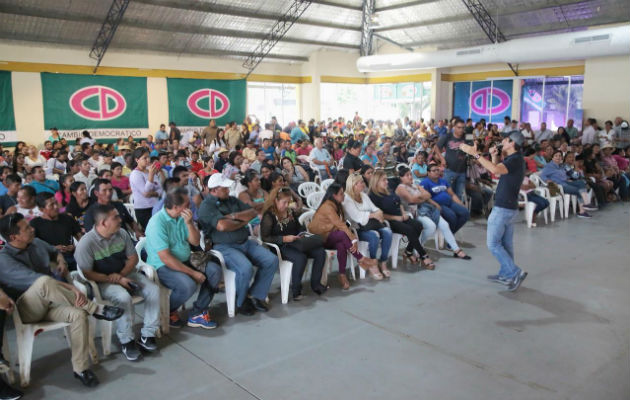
(517, 137)
(624, 125)
(218, 180)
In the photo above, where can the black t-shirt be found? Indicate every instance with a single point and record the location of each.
(455, 159)
(350, 161)
(88, 218)
(390, 204)
(7, 202)
(56, 232)
(509, 184)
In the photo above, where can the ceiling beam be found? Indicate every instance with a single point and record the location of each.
(85, 42)
(467, 16)
(130, 22)
(240, 12)
(471, 40)
(338, 5)
(404, 5)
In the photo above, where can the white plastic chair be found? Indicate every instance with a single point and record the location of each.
(229, 279)
(554, 201)
(26, 333)
(531, 206)
(314, 199)
(307, 188)
(325, 183)
(165, 293)
(131, 210)
(107, 327)
(285, 267)
(568, 200)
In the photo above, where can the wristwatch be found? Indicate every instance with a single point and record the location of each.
(477, 156)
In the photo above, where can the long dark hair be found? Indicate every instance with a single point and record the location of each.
(137, 153)
(332, 190)
(62, 188)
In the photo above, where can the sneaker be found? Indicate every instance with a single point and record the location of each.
(499, 279)
(201, 321)
(174, 321)
(517, 281)
(130, 350)
(147, 344)
(584, 215)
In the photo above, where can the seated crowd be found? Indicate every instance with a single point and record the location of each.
(238, 191)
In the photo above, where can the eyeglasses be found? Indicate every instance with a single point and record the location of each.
(284, 189)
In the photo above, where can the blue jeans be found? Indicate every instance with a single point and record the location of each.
(457, 180)
(382, 236)
(183, 287)
(500, 240)
(241, 259)
(456, 215)
(541, 202)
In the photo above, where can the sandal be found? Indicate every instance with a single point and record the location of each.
(386, 272)
(410, 256)
(367, 263)
(343, 280)
(458, 254)
(375, 274)
(428, 263)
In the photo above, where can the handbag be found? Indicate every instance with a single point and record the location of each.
(308, 243)
(373, 224)
(199, 259)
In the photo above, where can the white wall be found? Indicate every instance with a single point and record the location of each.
(607, 88)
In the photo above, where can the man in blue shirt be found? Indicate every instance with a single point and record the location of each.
(4, 172)
(224, 220)
(161, 134)
(451, 207)
(440, 128)
(322, 159)
(41, 184)
(269, 150)
(170, 233)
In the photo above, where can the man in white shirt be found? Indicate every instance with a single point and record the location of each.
(85, 174)
(543, 133)
(589, 133)
(322, 159)
(606, 135)
(507, 126)
(267, 133)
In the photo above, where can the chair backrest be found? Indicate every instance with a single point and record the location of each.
(307, 188)
(401, 165)
(535, 178)
(314, 199)
(131, 210)
(306, 218)
(325, 183)
(140, 245)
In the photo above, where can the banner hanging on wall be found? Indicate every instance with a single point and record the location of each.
(194, 102)
(106, 106)
(490, 100)
(7, 117)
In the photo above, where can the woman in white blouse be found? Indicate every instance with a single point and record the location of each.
(34, 159)
(368, 221)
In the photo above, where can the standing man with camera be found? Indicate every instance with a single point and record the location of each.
(501, 221)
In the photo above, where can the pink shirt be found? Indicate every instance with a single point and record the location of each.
(622, 163)
(122, 183)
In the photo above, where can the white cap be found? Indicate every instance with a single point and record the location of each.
(218, 180)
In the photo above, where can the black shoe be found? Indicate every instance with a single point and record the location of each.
(8, 393)
(130, 350)
(147, 344)
(247, 308)
(87, 378)
(110, 313)
(320, 290)
(260, 305)
(298, 297)
(517, 281)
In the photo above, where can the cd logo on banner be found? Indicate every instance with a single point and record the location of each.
(480, 105)
(104, 95)
(212, 97)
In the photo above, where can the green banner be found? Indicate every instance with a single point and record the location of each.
(194, 102)
(7, 118)
(94, 102)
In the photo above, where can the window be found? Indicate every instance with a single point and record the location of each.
(377, 101)
(266, 100)
(489, 100)
(553, 100)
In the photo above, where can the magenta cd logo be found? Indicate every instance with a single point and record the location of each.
(488, 101)
(214, 105)
(110, 103)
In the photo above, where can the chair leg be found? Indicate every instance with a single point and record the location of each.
(529, 213)
(165, 295)
(25, 339)
(230, 292)
(393, 250)
(6, 353)
(552, 208)
(285, 280)
(107, 328)
(91, 334)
